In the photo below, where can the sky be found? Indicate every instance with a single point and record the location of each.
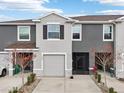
(31, 9)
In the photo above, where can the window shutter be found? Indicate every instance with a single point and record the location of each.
(61, 31)
(44, 31)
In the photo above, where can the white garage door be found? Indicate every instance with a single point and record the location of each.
(54, 65)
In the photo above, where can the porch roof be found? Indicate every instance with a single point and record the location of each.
(22, 45)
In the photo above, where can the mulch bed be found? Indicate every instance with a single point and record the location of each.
(29, 88)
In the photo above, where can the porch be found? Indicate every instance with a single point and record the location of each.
(22, 56)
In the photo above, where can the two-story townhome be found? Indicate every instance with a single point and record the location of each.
(63, 46)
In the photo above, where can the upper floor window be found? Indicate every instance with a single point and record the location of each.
(107, 32)
(53, 31)
(23, 33)
(76, 32)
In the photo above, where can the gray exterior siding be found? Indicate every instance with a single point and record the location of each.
(8, 35)
(92, 37)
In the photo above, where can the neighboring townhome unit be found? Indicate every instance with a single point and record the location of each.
(63, 46)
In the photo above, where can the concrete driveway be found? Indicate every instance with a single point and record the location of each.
(80, 84)
(7, 83)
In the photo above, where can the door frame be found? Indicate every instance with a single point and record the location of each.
(79, 54)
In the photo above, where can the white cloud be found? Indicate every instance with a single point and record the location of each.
(27, 5)
(6, 18)
(111, 2)
(112, 12)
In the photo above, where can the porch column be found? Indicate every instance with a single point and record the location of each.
(10, 64)
(37, 64)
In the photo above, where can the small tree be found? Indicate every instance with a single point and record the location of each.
(104, 58)
(24, 58)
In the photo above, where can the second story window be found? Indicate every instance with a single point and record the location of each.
(76, 32)
(23, 33)
(53, 31)
(107, 32)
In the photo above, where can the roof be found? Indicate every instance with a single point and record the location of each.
(97, 17)
(80, 18)
(18, 22)
(22, 45)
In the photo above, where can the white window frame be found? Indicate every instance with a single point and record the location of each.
(104, 32)
(19, 34)
(80, 33)
(52, 23)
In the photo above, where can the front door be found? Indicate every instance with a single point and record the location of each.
(80, 63)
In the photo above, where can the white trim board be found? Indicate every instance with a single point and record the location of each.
(11, 49)
(104, 32)
(17, 24)
(4, 52)
(80, 32)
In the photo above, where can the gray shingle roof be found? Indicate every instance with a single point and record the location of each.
(97, 17)
(19, 21)
(22, 45)
(80, 18)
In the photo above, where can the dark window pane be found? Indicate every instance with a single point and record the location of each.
(54, 35)
(107, 36)
(76, 35)
(24, 36)
(54, 31)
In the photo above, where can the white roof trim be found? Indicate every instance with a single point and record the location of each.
(20, 49)
(17, 23)
(4, 52)
(45, 15)
(121, 19)
(36, 20)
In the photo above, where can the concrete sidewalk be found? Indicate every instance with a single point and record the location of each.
(113, 82)
(80, 84)
(7, 83)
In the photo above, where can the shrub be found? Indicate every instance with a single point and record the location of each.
(15, 90)
(29, 80)
(10, 91)
(96, 75)
(111, 90)
(99, 78)
(32, 77)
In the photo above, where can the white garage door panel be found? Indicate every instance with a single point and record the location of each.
(54, 65)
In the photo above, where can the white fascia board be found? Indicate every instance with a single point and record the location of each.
(17, 23)
(45, 15)
(36, 20)
(3, 52)
(19, 49)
